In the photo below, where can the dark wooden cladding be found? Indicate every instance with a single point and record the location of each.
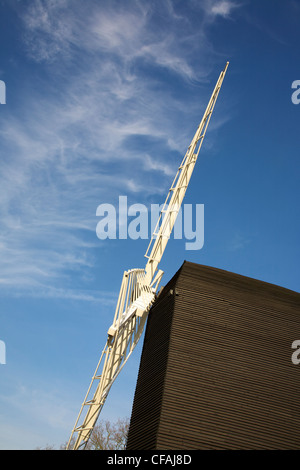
(216, 369)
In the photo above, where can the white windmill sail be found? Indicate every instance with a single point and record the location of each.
(138, 292)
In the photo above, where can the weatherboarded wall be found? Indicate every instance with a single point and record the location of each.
(216, 369)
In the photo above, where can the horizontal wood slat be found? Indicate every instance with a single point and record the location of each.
(216, 369)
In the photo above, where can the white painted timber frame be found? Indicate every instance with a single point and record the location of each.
(138, 292)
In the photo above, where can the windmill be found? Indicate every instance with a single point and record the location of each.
(138, 291)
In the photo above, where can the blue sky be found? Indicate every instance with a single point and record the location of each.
(102, 100)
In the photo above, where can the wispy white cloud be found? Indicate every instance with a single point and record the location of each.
(238, 242)
(223, 8)
(68, 150)
(151, 164)
(48, 30)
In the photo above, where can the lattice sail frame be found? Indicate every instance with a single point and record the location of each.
(138, 292)
(134, 302)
